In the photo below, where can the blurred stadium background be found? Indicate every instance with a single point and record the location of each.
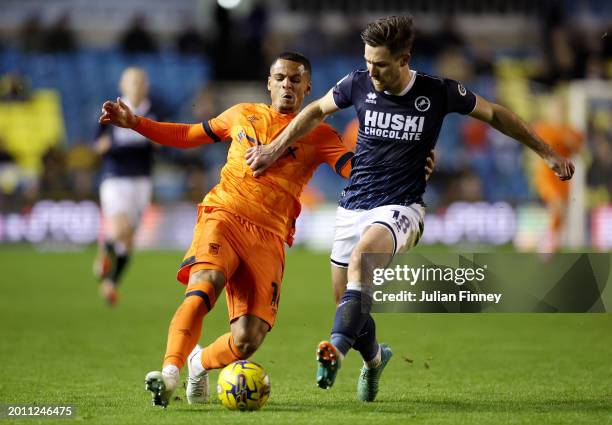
(59, 60)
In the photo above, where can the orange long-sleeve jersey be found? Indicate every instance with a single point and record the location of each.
(270, 201)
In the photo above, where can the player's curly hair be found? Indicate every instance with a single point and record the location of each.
(394, 32)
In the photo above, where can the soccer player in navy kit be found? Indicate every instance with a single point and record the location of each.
(126, 188)
(381, 210)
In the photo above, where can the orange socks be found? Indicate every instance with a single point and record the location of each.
(221, 353)
(556, 222)
(186, 325)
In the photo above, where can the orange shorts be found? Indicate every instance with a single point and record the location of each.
(252, 259)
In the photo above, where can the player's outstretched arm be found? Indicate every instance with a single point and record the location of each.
(169, 134)
(262, 156)
(510, 124)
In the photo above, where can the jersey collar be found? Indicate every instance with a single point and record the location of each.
(282, 114)
(408, 86)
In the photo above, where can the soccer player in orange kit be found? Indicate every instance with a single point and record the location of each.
(242, 224)
(566, 142)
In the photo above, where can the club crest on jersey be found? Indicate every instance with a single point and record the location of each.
(371, 98)
(213, 248)
(422, 103)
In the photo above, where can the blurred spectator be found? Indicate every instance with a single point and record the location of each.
(81, 164)
(250, 40)
(566, 141)
(257, 28)
(59, 37)
(314, 41)
(54, 179)
(207, 103)
(468, 187)
(5, 156)
(483, 58)
(9, 173)
(449, 35)
(13, 88)
(31, 34)
(453, 63)
(606, 43)
(599, 176)
(429, 44)
(196, 179)
(137, 38)
(600, 172)
(224, 42)
(190, 41)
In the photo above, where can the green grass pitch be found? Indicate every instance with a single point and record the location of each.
(61, 345)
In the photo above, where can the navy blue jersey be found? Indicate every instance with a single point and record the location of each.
(130, 154)
(395, 136)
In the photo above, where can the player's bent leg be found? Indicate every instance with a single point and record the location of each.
(184, 332)
(365, 342)
(378, 239)
(123, 240)
(352, 311)
(366, 339)
(349, 320)
(353, 325)
(115, 255)
(186, 325)
(249, 332)
(328, 358)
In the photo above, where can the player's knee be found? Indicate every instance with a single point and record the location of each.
(124, 241)
(355, 260)
(247, 343)
(215, 277)
(121, 227)
(249, 333)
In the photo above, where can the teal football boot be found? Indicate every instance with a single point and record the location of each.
(367, 385)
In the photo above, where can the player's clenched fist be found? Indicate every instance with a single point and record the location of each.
(563, 167)
(118, 113)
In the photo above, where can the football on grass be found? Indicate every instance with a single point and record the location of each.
(243, 385)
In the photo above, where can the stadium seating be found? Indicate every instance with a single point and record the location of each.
(86, 78)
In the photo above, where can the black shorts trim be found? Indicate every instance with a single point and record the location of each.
(338, 263)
